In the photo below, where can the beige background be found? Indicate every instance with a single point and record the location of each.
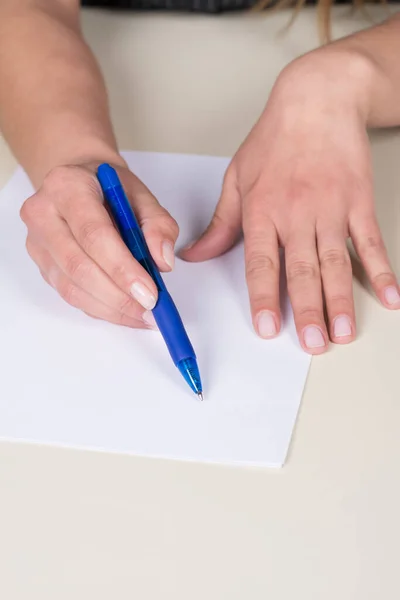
(79, 525)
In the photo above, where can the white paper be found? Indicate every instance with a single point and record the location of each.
(69, 380)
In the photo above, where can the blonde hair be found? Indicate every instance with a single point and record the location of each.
(323, 8)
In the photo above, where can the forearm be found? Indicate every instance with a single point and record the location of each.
(359, 74)
(53, 102)
(380, 92)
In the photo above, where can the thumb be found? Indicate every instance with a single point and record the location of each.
(224, 229)
(159, 228)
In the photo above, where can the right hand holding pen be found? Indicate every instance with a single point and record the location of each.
(79, 252)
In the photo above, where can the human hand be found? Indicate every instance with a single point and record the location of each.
(79, 252)
(302, 179)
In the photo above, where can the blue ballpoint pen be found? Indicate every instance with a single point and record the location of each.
(165, 312)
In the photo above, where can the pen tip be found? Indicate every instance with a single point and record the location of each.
(200, 395)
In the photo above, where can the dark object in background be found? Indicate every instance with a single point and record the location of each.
(203, 6)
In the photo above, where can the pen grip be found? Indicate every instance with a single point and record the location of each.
(135, 241)
(128, 227)
(172, 329)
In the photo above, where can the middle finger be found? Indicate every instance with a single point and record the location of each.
(337, 280)
(84, 272)
(78, 298)
(305, 290)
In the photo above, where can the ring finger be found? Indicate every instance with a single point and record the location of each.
(84, 272)
(79, 298)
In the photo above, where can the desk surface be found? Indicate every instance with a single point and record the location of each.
(84, 525)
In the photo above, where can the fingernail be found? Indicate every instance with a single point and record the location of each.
(313, 337)
(266, 325)
(149, 319)
(392, 295)
(143, 295)
(342, 326)
(168, 254)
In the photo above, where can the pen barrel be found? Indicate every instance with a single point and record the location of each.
(172, 329)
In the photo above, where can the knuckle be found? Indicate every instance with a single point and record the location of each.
(126, 321)
(218, 220)
(334, 258)
(339, 299)
(174, 227)
(309, 313)
(32, 210)
(383, 278)
(69, 293)
(125, 306)
(91, 232)
(118, 318)
(301, 269)
(160, 221)
(165, 221)
(259, 265)
(119, 273)
(373, 242)
(76, 267)
(25, 210)
(260, 300)
(340, 302)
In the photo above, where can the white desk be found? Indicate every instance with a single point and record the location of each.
(79, 525)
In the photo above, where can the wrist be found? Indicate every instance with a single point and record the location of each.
(92, 158)
(334, 79)
(90, 152)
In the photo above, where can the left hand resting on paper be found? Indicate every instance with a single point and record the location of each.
(302, 179)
